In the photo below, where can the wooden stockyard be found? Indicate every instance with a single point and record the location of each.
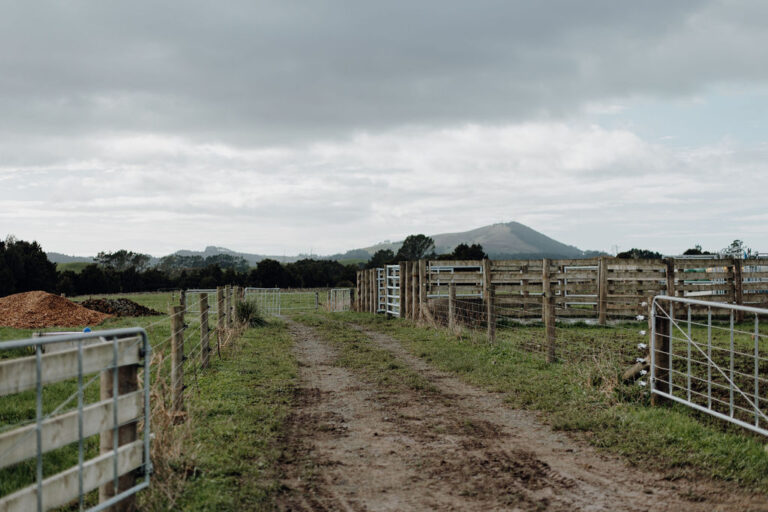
(601, 288)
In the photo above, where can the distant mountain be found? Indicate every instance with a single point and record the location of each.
(251, 258)
(503, 240)
(510, 240)
(57, 257)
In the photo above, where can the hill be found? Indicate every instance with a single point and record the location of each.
(503, 240)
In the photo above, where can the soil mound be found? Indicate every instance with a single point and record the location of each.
(119, 307)
(31, 310)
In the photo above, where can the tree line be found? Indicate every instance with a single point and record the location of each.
(24, 267)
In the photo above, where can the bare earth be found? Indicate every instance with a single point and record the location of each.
(355, 448)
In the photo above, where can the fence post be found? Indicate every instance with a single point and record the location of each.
(414, 290)
(662, 329)
(602, 290)
(491, 312)
(374, 280)
(235, 302)
(177, 360)
(127, 382)
(738, 288)
(317, 301)
(670, 271)
(401, 283)
(422, 288)
(220, 318)
(205, 348)
(228, 299)
(183, 304)
(548, 309)
(452, 306)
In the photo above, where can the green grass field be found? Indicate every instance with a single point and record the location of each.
(207, 396)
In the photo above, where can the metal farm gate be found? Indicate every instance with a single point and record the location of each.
(712, 357)
(381, 287)
(392, 290)
(108, 359)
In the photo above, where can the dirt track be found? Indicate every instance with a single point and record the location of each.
(355, 448)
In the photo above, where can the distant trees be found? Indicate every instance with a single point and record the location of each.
(123, 260)
(380, 258)
(24, 266)
(695, 251)
(416, 247)
(645, 254)
(465, 252)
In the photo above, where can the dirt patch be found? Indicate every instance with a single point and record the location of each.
(356, 447)
(32, 310)
(119, 307)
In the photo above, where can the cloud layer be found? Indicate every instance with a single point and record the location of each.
(276, 127)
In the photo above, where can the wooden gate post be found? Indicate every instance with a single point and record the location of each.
(452, 306)
(548, 310)
(205, 348)
(738, 288)
(228, 299)
(127, 382)
(414, 290)
(662, 332)
(602, 290)
(670, 271)
(177, 360)
(422, 289)
(220, 318)
(491, 312)
(403, 288)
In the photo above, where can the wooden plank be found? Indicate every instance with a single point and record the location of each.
(755, 286)
(587, 262)
(455, 263)
(699, 276)
(753, 275)
(455, 278)
(704, 287)
(61, 430)
(20, 374)
(62, 488)
(682, 264)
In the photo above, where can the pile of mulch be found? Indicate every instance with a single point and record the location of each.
(32, 310)
(119, 307)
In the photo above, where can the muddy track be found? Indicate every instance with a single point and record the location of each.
(354, 447)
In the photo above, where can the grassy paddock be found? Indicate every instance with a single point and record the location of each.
(237, 413)
(19, 409)
(586, 396)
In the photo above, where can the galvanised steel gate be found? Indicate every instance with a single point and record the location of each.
(381, 286)
(712, 357)
(392, 290)
(111, 358)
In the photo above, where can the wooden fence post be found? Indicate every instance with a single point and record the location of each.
(235, 302)
(403, 288)
(452, 306)
(602, 290)
(205, 348)
(228, 299)
(738, 288)
(422, 289)
(183, 304)
(220, 318)
(670, 271)
(414, 290)
(490, 312)
(663, 329)
(177, 360)
(127, 382)
(548, 310)
(374, 290)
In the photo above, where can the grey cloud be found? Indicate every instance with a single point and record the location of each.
(253, 72)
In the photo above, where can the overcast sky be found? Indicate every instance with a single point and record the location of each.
(285, 127)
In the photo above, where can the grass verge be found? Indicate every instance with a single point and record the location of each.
(587, 397)
(238, 412)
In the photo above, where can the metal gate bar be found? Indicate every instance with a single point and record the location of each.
(709, 366)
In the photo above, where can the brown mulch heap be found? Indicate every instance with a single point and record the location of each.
(32, 310)
(119, 307)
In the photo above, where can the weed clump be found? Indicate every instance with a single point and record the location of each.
(248, 314)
